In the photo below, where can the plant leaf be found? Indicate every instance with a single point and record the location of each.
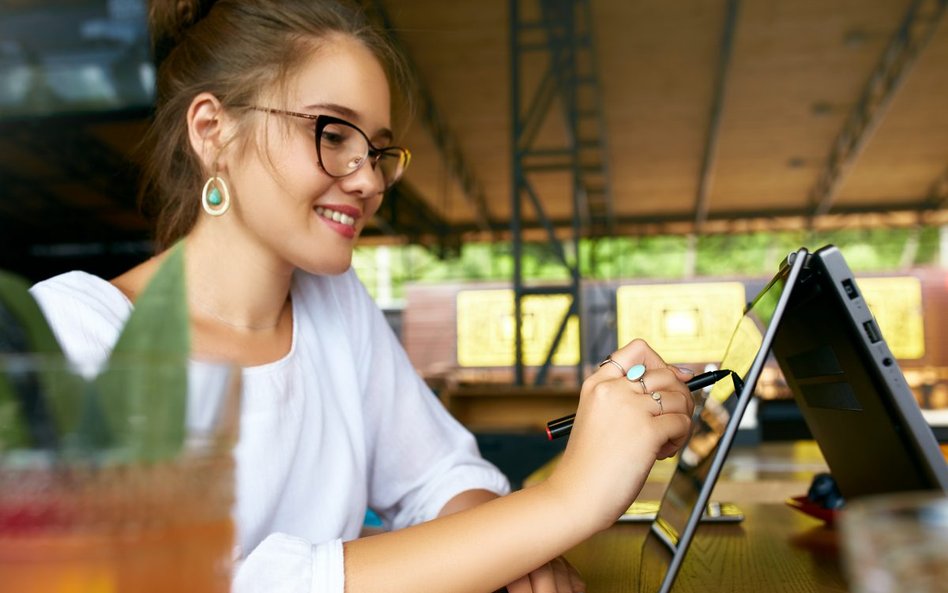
(143, 389)
(36, 405)
(24, 327)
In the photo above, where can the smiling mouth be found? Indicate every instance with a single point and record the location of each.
(335, 216)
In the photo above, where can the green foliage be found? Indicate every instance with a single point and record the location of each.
(658, 257)
(25, 417)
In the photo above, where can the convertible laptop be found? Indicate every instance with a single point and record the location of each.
(850, 390)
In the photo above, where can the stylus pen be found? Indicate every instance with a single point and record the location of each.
(562, 426)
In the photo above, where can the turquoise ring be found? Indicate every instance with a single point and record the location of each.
(637, 373)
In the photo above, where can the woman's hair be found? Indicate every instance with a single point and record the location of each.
(233, 49)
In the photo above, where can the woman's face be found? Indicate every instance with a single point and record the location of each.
(283, 200)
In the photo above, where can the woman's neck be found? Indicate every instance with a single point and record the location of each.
(231, 283)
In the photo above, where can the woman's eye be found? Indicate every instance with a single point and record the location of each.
(335, 135)
(333, 138)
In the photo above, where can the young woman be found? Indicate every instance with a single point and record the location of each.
(271, 149)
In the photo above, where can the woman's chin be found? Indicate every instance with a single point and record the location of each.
(326, 267)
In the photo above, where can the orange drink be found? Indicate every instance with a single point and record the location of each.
(111, 530)
(106, 521)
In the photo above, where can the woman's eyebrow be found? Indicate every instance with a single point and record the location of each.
(344, 112)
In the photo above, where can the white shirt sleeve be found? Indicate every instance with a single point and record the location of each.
(419, 455)
(286, 564)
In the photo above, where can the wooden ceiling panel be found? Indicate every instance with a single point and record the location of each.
(656, 69)
(791, 86)
(796, 71)
(461, 54)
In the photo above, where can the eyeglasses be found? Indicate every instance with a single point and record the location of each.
(342, 148)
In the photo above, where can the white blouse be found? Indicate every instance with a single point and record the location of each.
(341, 423)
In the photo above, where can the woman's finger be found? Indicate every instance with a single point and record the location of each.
(542, 580)
(567, 577)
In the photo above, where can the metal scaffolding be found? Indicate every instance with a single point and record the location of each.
(555, 36)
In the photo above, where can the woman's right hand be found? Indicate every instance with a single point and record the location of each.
(619, 432)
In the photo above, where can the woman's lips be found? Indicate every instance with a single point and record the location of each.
(339, 221)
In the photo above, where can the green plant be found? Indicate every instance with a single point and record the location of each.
(145, 377)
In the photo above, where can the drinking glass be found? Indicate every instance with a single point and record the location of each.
(119, 481)
(896, 543)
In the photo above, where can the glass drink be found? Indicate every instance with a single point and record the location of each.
(135, 499)
(897, 543)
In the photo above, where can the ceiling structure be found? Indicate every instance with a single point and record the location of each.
(719, 115)
(708, 116)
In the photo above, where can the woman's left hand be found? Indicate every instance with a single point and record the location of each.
(556, 576)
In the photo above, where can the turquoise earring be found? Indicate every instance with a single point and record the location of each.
(215, 197)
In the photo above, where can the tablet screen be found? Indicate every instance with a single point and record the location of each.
(716, 415)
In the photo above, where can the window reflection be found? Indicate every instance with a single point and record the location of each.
(60, 57)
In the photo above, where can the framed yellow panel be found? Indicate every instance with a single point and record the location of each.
(896, 303)
(485, 329)
(683, 322)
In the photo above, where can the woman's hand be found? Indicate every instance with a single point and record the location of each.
(622, 426)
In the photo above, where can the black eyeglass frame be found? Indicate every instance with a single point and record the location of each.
(374, 155)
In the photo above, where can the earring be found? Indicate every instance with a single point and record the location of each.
(215, 198)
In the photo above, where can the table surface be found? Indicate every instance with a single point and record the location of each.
(775, 549)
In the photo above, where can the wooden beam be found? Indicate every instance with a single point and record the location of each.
(706, 176)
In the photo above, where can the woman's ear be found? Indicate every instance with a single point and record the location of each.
(207, 129)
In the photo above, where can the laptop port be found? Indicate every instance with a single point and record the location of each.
(850, 288)
(872, 330)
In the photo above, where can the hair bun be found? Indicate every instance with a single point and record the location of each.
(168, 21)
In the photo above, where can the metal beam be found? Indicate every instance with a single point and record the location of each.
(714, 121)
(917, 27)
(444, 140)
(894, 213)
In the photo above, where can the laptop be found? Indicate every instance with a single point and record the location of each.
(852, 393)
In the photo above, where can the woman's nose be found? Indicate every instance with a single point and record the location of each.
(367, 181)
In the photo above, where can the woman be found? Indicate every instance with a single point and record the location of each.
(334, 419)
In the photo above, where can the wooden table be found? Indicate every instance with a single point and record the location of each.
(775, 549)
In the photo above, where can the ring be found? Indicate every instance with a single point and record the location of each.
(609, 360)
(658, 400)
(637, 373)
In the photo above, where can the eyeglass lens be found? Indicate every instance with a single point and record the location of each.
(343, 149)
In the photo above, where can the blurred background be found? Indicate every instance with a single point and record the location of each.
(572, 160)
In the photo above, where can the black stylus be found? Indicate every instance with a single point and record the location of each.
(562, 426)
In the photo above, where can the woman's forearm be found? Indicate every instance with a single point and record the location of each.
(466, 500)
(476, 550)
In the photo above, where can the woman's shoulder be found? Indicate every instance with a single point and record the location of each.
(80, 289)
(84, 311)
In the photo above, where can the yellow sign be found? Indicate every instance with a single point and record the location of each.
(896, 303)
(684, 323)
(486, 329)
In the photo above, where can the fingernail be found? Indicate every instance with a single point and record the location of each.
(684, 370)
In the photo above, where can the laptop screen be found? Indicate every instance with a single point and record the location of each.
(716, 420)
